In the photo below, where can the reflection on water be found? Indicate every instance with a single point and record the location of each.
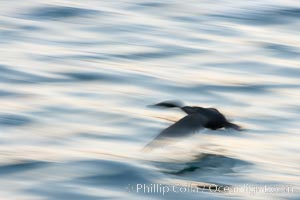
(76, 78)
(207, 163)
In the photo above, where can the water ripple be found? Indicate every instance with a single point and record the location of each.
(21, 167)
(262, 17)
(14, 120)
(59, 12)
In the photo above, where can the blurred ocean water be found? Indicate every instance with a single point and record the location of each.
(76, 78)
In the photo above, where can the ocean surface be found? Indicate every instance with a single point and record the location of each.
(77, 79)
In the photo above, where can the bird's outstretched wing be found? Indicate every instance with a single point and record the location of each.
(185, 126)
(169, 104)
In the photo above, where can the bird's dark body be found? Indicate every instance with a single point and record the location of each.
(197, 118)
(215, 119)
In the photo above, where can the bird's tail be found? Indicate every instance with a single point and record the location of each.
(170, 104)
(233, 126)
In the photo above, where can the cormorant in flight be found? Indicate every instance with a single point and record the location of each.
(196, 119)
